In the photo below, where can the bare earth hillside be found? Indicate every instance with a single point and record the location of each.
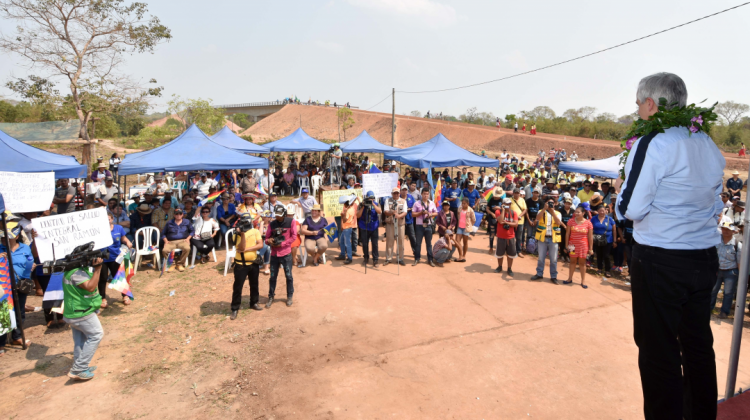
(321, 123)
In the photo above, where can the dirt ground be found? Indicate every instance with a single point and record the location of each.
(415, 342)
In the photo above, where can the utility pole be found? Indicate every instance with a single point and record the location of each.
(393, 117)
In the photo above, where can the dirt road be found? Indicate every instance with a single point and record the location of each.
(455, 342)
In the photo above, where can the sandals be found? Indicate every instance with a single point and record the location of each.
(126, 300)
(584, 286)
(567, 281)
(20, 343)
(104, 304)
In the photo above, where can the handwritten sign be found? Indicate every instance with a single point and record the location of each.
(331, 204)
(67, 231)
(380, 184)
(27, 192)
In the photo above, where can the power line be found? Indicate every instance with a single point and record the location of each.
(573, 59)
(381, 101)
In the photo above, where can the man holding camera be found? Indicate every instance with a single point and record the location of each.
(280, 235)
(548, 238)
(81, 301)
(246, 265)
(347, 238)
(368, 216)
(395, 215)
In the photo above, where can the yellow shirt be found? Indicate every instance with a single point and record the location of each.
(585, 198)
(252, 238)
(518, 206)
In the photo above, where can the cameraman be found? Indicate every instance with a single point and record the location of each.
(368, 222)
(81, 301)
(248, 241)
(548, 236)
(280, 235)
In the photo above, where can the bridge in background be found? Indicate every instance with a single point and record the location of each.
(259, 110)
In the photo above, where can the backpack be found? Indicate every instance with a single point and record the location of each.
(531, 246)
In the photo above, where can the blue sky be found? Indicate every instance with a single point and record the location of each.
(357, 50)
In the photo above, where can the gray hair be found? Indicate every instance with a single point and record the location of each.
(662, 85)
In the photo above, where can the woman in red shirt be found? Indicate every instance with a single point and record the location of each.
(580, 240)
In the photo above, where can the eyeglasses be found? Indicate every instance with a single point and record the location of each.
(205, 212)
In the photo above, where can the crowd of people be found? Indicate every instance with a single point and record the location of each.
(528, 208)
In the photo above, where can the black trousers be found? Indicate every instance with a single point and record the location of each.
(369, 237)
(492, 230)
(671, 314)
(107, 269)
(204, 247)
(242, 272)
(409, 231)
(602, 253)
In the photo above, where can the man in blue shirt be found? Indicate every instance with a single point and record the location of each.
(409, 220)
(734, 184)
(452, 195)
(675, 260)
(472, 195)
(176, 235)
(367, 220)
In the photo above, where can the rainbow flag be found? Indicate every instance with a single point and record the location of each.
(7, 312)
(373, 169)
(167, 263)
(260, 189)
(438, 193)
(121, 281)
(211, 197)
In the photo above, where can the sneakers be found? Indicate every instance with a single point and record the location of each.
(401, 262)
(499, 270)
(269, 303)
(81, 376)
(510, 272)
(289, 301)
(386, 263)
(415, 263)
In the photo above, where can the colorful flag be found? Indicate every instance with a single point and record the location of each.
(121, 281)
(260, 189)
(332, 232)
(211, 197)
(438, 192)
(167, 263)
(53, 296)
(7, 312)
(373, 169)
(488, 194)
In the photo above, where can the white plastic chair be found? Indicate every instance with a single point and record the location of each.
(195, 251)
(303, 254)
(230, 252)
(142, 249)
(316, 181)
(303, 183)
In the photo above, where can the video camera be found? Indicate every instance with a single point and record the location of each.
(82, 256)
(245, 224)
(277, 236)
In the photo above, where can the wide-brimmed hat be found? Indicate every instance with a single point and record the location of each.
(315, 207)
(726, 223)
(249, 195)
(736, 172)
(595, 201)
(144, 208)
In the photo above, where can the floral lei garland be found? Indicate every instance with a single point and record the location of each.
(696, 118)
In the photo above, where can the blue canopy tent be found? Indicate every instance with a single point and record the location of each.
(299, 141)
(439, 152)
(606, 168)
(190, 151)
(17, 156)
(227, 138)
(364, 143)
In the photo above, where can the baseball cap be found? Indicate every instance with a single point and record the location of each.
(396, 190)
(370, 194)
(404, 187)
(507, 200)
(509, 176)
(448, 232)
(471, 182)
(150, 191)
(305, 190)
(108, 178)
(517, 190)
(726, 223)
(178, 210)
(279, 211)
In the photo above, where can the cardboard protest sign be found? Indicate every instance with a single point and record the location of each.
(67, 231)
(331, 205)
(380, 184)
(27, 192)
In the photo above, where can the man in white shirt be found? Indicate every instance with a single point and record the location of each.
(204, 185)
(395, 214)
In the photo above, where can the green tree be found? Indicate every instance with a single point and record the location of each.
(345, 119)
(199, 111)
(732, 111)
(84, 42)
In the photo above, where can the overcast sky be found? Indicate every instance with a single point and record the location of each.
(357, 50)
